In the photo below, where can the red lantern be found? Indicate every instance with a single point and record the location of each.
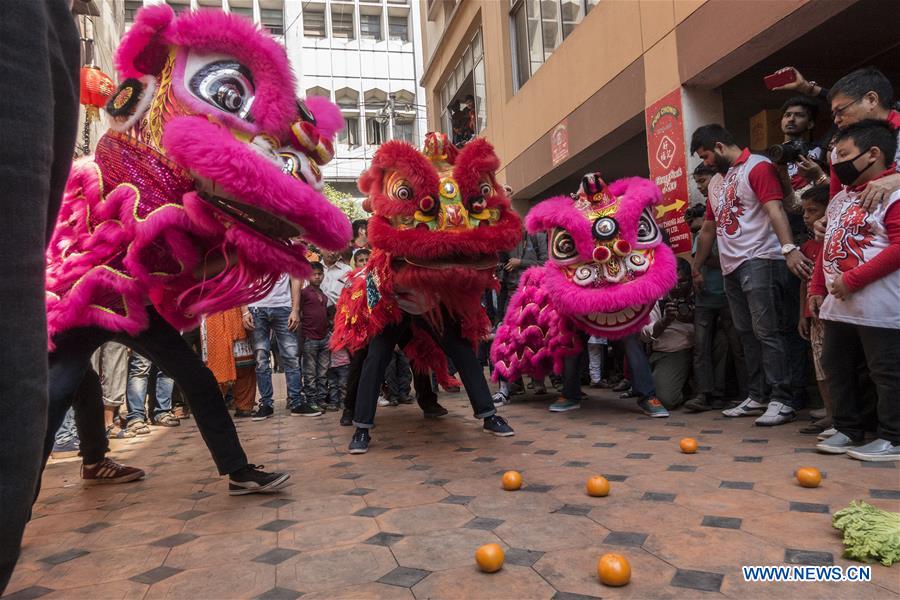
(96, 88)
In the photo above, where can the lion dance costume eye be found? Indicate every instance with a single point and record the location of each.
(608, 266)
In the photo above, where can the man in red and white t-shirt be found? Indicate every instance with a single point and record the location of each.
(855, 290)
(744, 213)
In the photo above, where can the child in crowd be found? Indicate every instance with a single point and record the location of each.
(855, 290)
(360, 258)
(815, 202)
(314, 325)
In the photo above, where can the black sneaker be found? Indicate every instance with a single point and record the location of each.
(433, 411)
(305, 410)
(498, 426)
(360, 442)
(251, 479)
(262, 413)
(346, 418)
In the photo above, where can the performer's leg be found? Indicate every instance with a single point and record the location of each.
(356, 364)
(381, 350)
(162, 344)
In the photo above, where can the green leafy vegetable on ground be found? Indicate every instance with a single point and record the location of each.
(869, 533)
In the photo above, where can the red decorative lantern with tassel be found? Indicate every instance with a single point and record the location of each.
(96, 88)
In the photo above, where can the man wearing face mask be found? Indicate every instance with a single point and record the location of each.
(757, 254)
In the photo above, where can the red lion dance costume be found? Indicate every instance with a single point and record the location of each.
(608, 266)
(194, 202)
(439, 222)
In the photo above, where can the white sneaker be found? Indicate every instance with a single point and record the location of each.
(826, 434)
(500, 399)
(777, 413)
(382, 401)
(747, 408)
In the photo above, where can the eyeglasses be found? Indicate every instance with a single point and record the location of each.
(839, 111)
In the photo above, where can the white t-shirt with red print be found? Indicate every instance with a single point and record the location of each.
(735, 204)
(853, 238)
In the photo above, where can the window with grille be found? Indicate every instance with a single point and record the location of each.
(273, 20)
(398, 27)
(404, 129)
(370, 27)
(539, 27)
(342, 21)
(376, 132)
(350, 134)
(314, 20)
(244, 11)
(131, 8)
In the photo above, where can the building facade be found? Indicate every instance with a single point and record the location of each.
(365, 55)
(568, 86)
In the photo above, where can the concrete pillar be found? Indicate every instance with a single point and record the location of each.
(701, 107)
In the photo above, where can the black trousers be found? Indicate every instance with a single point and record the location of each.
(39, 59)
(163, 345)
(457, 348)
(426, 397)
(844, 346)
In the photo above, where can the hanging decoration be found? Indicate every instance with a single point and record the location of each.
(96, 88)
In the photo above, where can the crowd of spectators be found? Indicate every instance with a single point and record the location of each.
(789, 300)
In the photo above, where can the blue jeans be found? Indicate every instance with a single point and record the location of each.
(641, 377)
(139, 369)
(316, 359)
(398, 377)
(757, 295)
(266, 321)
(67, 432)
(337, 384)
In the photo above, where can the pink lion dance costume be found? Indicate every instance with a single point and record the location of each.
(439, 222)
(608, 266)
(194, 202)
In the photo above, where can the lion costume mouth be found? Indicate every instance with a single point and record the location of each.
(265, 223)
(615, 321)
(482, 263)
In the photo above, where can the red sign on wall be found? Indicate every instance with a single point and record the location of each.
(559, 143)
(668, 168)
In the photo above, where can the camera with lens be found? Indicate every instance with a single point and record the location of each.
(782, 154)
(694, 212)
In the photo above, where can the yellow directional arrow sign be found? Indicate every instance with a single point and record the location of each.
(663, 209)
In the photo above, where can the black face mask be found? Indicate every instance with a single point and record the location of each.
(846, 171)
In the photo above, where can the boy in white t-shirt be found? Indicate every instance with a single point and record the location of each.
(855, 291)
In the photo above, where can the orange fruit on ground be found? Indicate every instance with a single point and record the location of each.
(489, 558)
(688, 445)
(809, 477)
(613, 569)
(512, 480)
(597, 486)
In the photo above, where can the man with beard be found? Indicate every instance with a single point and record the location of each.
(745, 215)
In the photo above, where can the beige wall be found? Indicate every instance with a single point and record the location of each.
(674, 42)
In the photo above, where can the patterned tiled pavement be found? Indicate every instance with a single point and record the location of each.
(404, 520)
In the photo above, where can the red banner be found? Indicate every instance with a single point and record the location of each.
(668, 168)
(559, 143)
